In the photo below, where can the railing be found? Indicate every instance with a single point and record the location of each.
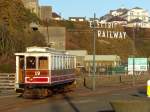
(7, 82)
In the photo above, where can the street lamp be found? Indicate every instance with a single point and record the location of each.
(134, 50)
(94, 42)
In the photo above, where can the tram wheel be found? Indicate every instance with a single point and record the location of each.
(36, 93)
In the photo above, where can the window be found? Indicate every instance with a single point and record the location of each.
(72, 62)
(31, 63)
(64, 62)
(21, 62)
(43, 63)
(52, 62)
(55, 62)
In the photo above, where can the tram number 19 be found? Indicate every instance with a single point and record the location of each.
(37, 73)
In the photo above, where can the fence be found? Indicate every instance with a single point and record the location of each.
(7, 82)
(111, 79)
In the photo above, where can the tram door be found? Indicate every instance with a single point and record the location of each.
(21, 69)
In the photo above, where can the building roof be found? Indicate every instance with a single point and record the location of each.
(116, 18)
(102, 58)
(77, 52)
(123, 10)
(137, 20)
(106, 17)
(137, 8)
(55, 15)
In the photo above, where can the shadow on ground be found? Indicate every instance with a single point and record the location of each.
(106, 111)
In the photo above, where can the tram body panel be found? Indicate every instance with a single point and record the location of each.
(44, 69)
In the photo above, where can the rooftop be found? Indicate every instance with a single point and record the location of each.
(102, 58)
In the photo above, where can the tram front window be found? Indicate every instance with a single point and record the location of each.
(31, 63)
(43, 63)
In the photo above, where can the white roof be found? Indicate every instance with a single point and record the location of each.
(77, 52)
(102, 58)
(39, 51)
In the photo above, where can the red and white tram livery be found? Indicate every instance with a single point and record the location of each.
(43, 67)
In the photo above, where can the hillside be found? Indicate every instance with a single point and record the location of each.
(80, 36)
(15, 33)
(83, 38)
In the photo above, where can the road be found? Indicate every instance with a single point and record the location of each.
(76, 101)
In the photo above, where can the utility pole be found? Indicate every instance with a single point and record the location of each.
(133, 76)
(134, 50)
(94, 42)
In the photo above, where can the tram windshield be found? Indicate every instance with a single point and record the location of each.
(31, 63)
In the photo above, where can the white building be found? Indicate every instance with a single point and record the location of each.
(32, 5)
(80, 55)
(136, 13)
(118, 12)
(55, 16)
(135, 17)
(77, 19)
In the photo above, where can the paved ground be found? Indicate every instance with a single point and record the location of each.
(80, 100)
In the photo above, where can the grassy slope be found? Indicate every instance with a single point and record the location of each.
(79, 36)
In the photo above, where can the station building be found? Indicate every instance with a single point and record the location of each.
(101, 62)
(80, 56)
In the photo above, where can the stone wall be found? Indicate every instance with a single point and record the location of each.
(56, 36)
(111, 79)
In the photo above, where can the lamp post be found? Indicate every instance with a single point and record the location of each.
(134, 36)
(94, 42)
(133, 48)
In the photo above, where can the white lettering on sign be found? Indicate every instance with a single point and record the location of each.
(111, 34)
(108, 25)
(106, 30)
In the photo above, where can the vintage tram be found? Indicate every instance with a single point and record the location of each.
(41, 70)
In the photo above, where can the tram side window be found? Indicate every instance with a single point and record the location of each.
(43, 63)
(72, 64)
(55, 62)
(68, 62)
(52, 62)
(31, 63)
(64, 62)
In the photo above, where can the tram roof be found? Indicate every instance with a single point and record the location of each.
(43, 51)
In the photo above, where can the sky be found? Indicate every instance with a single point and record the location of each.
(87, 8)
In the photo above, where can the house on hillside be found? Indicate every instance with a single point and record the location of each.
(118, 20)
(45, 13)
(55, 16)
(138, 23)
(118, 12)
(130, 17)
(32, 5)
(77, 19)
(136, 13)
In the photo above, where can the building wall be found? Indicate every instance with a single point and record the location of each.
(32, 5)
(138, 13)
(54, 36)
(45, 12)
(80, 55)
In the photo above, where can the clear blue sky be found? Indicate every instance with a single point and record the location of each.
(82, 8)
